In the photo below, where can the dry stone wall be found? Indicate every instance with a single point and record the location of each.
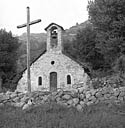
(78, 98)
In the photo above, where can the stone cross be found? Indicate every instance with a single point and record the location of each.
(28, 45)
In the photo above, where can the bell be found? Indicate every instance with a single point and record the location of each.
(54, 34)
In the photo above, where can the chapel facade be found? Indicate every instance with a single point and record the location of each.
(53, 70)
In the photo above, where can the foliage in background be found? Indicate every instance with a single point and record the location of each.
(108, 19)
(36, 49)
(85, 45)
(8, 57)
(102, 42)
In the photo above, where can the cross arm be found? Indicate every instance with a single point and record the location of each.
(31, 23)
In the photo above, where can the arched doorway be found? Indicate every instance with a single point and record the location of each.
(53, 81)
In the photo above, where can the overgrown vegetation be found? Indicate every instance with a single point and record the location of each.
(8, 58)
(56, 116)
(101, 44)
(108, 20)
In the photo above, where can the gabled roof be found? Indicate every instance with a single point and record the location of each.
(53, 24)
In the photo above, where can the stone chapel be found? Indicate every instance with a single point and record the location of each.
(53, 69)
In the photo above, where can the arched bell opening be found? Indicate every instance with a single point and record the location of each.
(54, 37)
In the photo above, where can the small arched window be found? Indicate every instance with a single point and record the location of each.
(68, 79)
(40, 81)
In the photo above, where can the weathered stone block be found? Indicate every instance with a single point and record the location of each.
(54, 93)
(45, 98)
(116, 92)
(89, 103)
(107, 96)
(122, 93)
(66, 97)
(81, 89)
(101, 98)
(79, 107)
(75, 100)
(86, 100)
(75, 91)
(93, 91)
(4, 97)
(88, 94)
(8, 93)
(106, 90)
(52, 98)
(97, 101)
(24, 99)
(122, 88)
(70, 102)
(20, 104)
(60, 93)
(98, 94)
(29, 102)
(58, 99)
(92, 98)
(82, 103)
(60, 102)
(120, 98)
(82, 96)
(16, 99)
(112, 98)
(26, 106)
(20, 95)
(13, 95)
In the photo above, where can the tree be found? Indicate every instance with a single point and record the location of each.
(108, 19)
(8, 56)
(84, 44)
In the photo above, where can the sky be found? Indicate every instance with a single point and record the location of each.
(63, 12)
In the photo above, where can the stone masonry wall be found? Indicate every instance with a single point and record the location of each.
(78, 98)
(63, 66)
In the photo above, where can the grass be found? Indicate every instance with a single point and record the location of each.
(56, 116)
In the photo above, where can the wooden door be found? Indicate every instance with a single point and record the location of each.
(53, 81)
